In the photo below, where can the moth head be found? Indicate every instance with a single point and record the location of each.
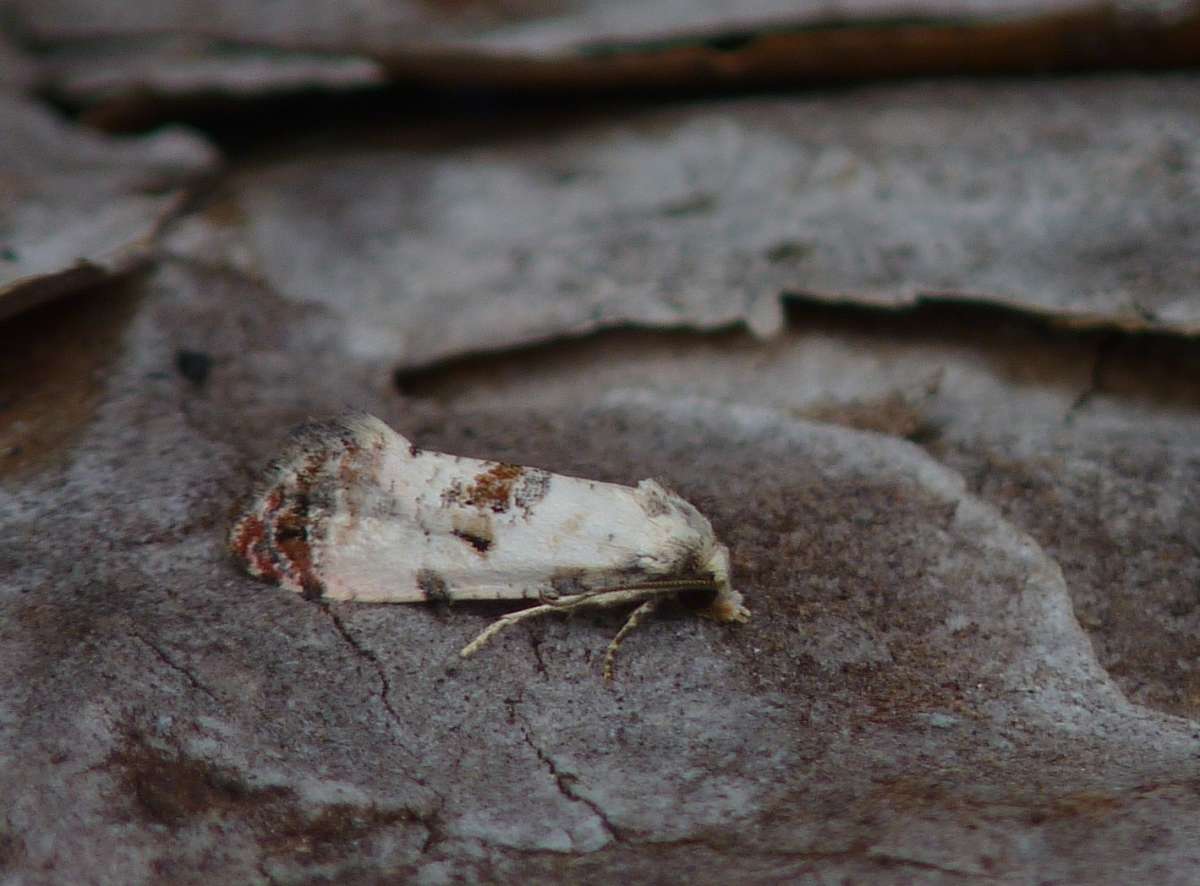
(699, 548)
(727, 605)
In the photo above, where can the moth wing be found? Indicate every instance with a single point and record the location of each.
(547, 535)
(353, 511)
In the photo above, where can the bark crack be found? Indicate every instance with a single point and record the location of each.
(265, 874)
(1095, 383)
(858, 852)
(385, 686)
(900, 860)
(435, 831)
(564, 780)
(175, 666)
(535, 641)
(385, 689)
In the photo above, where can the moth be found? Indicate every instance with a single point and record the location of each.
(351, 510)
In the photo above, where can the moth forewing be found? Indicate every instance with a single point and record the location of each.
(353, 511)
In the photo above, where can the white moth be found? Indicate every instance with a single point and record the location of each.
(353, 511)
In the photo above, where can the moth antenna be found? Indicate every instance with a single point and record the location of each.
(673, 584)
(656, 584)
(635, 618)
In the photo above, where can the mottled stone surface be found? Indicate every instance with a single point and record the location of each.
(530, 26)
(1086, 441)
(914, 697)
(164, 69)
(18, 71)
(704, 215)
(77, 207)
(133, 65)
(966, 529)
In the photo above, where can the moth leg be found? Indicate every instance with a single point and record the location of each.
(559, 605)
(562, 604)
(635, 618)
(503, 622)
